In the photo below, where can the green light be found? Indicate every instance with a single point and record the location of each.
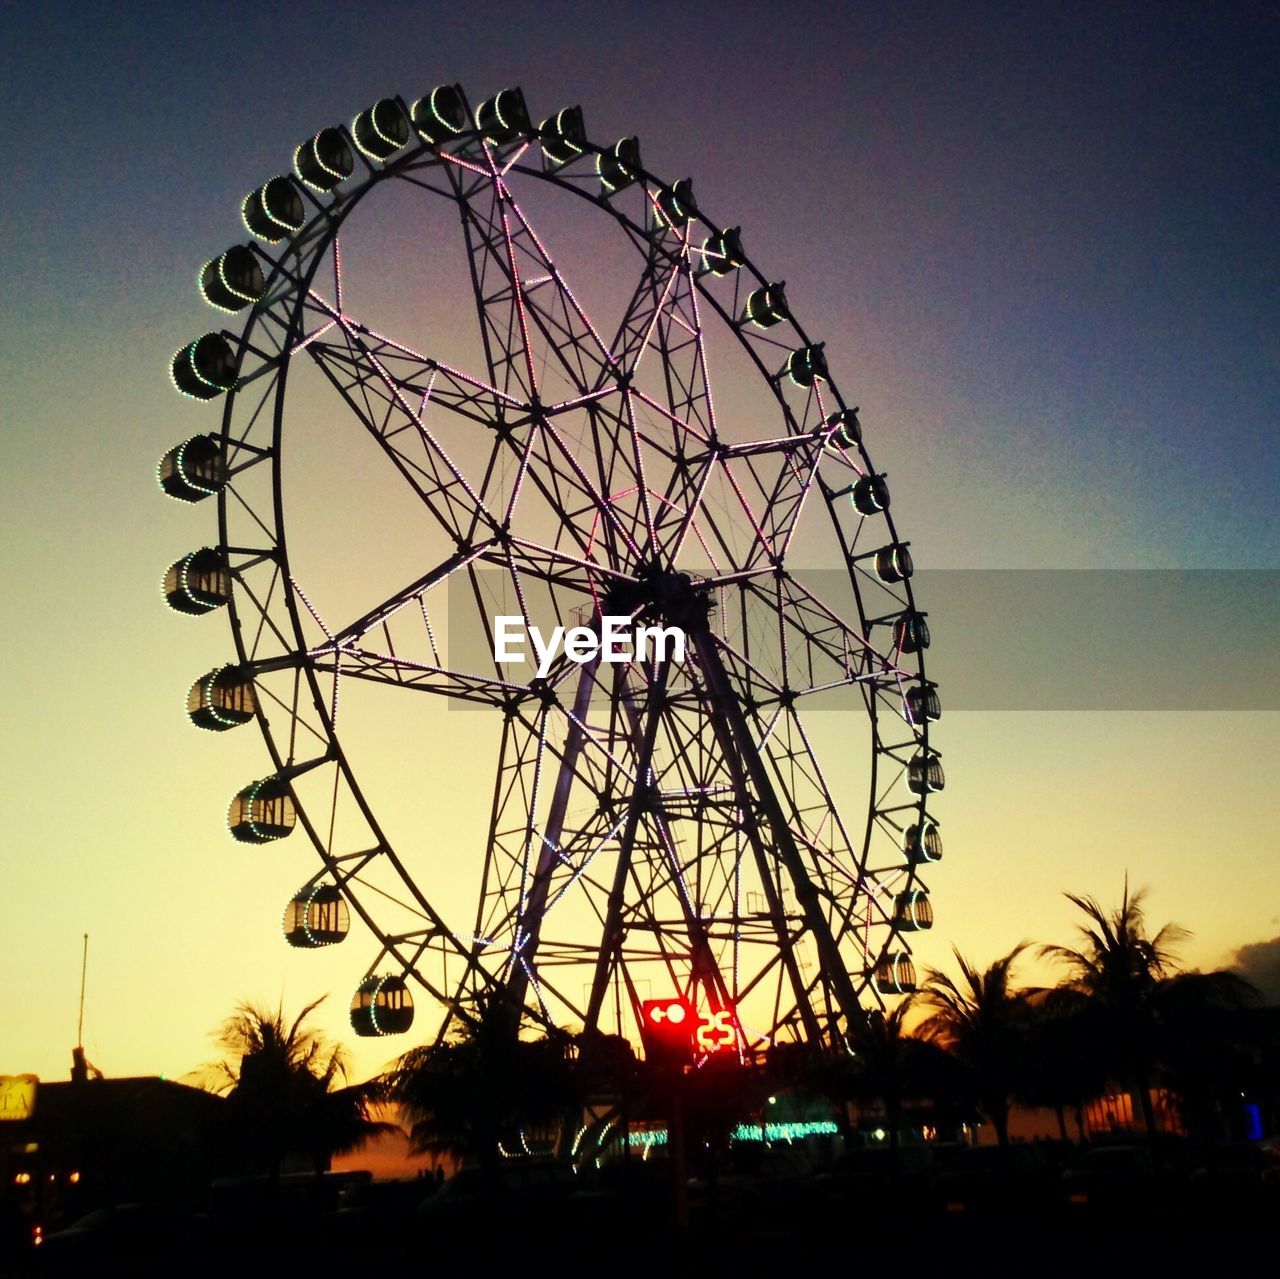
(647, 1138)
(785, 1131)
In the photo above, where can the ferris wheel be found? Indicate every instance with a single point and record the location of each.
(492, 370)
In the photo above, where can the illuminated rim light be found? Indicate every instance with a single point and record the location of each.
(924, 773)
(197, 583)
(894, 563)
(845, 429)
(312, 167)
(923, 705)
(921, 842)
(503, 119)
(212, 351)
(896, 975)
(272, 221)
(911, 633)
(913, 910)
(807, 366)
(222, 699)
(870, 495)
(220, 292)
(675, 204)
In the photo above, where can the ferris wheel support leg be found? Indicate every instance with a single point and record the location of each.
(611, 937)
(529, 922)
(750, 773)
(702, 960)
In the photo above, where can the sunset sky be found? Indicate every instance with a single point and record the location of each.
(1041, 245)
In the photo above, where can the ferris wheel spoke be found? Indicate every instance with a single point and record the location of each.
(563, 476)
(412, 593)
(761, 546)
(390, 668)
(815, 817)
(499, 295)
(640, 326)
(784, 505)
(689, 398)
(826, 631)
(537, 305)
(726, 835)
(264, 599)
(778, 735)
(543, 851)
(392, 411)
(555, 307)
(662, 316)
(523, 299)
(431, 379)
(773, 496)
(667, 872)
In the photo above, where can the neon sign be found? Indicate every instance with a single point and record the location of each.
(672, 1030)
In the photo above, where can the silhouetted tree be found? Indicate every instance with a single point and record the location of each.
(464, 1094)
(981, 1019)
(1062, 1063)
(887, 1064)
(1135, 1008)
(284, 1089)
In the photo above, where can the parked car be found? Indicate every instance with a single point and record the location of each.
(988, 1181)
(878, 1184)
(1126, 1176)
(126, 1236)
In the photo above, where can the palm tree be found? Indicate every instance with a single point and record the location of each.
(981, 1019)
(1137, 1006)
(284, 1089)
(466, 1093)
(1062, 1062)
(889, 1065)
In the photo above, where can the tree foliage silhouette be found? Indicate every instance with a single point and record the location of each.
(464, 1094)
(981, 1018)
(1138, 1011)
(888, 1064)
(286, 1090)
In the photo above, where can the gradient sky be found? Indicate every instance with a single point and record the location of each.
(1040, 242)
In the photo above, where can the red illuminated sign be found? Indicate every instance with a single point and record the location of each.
(671, 1029)
(717, 1033)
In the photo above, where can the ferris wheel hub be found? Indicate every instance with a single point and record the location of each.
(662, 594)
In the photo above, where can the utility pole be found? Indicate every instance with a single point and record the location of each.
(79, 1066)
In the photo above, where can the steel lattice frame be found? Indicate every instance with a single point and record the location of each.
(677, 817)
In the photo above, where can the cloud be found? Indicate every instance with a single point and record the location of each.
(1259, 962)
